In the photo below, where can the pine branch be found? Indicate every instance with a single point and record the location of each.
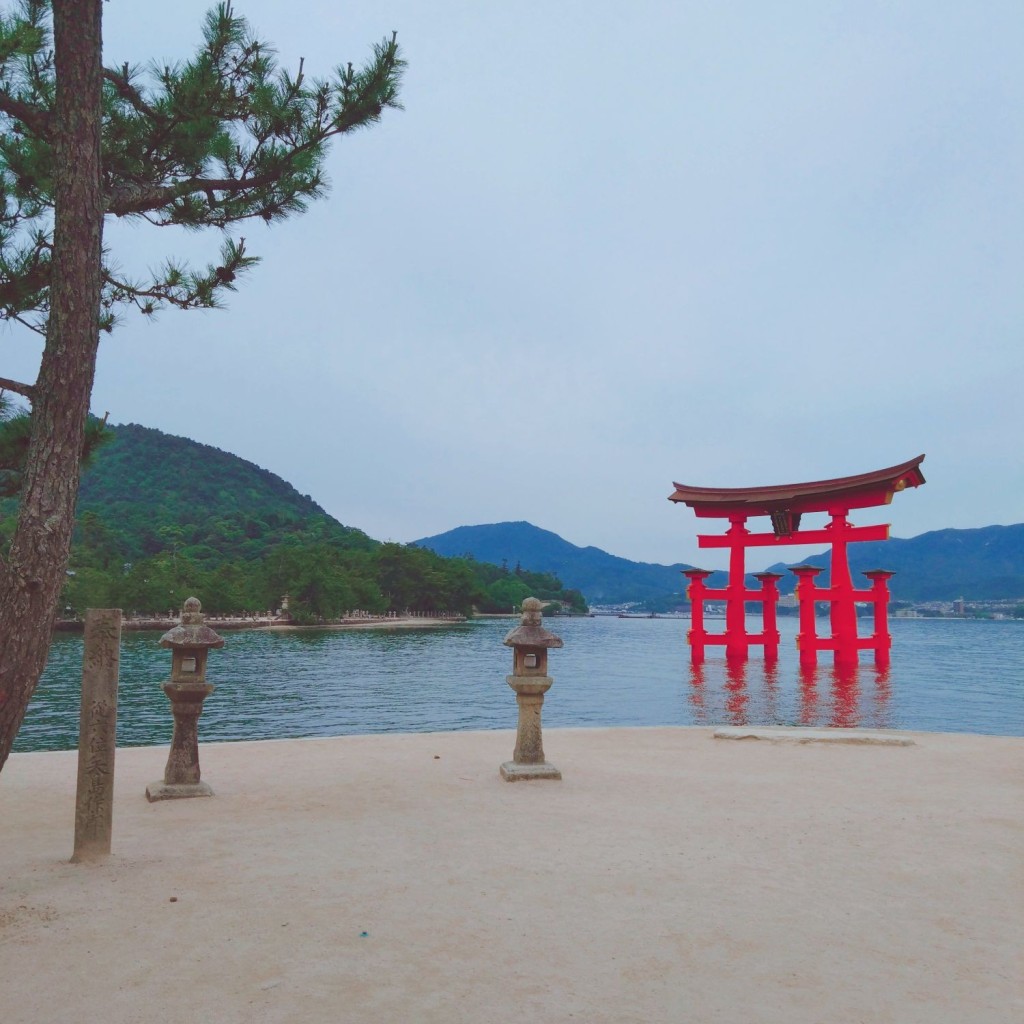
(38, 328)
(28, 390)
(135, 199)
(179, 288)
(35, 118)
(20, 287)
(128, 92)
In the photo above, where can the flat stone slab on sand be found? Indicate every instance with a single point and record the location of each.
(668, 878)
(796, 734)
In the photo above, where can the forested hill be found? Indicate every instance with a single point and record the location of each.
(161, 518)
(160, 492)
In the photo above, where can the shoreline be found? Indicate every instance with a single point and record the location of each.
(426, 623)
(156, 624)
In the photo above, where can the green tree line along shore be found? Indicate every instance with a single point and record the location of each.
(161, 518)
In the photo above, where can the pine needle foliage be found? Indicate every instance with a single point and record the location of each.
(226, 137)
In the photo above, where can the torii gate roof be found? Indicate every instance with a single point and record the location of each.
(863, 491)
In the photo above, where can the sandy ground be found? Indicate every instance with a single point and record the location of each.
(670, 877)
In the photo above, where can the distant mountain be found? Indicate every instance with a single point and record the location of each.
(981, 564)
(603, 578)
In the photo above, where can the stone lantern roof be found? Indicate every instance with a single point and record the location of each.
(193, 631)
(530, 632)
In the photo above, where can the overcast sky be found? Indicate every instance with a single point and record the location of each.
(608, 246)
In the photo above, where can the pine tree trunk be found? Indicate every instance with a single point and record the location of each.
(33, 574)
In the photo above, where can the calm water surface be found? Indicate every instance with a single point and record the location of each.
(946, 675)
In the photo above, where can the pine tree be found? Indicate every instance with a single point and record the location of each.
(209, 143)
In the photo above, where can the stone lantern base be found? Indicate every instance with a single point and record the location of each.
(182, 777)
(512, 772)
(176, 790)
(528, 760)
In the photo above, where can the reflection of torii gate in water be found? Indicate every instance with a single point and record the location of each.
(785, 504)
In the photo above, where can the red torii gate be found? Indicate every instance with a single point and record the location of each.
(785, 504)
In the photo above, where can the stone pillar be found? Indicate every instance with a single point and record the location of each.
(529, 739)
(182, 776)
(97, 734)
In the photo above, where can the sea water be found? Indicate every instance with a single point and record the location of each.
(946, 675)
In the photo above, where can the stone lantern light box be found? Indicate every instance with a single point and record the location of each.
(530, 642)
(190, 644)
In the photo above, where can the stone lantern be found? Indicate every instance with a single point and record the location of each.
(530, 643)
(190, 643)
